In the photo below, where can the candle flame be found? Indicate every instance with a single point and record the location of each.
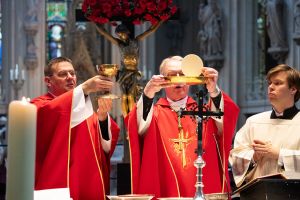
(24, 99)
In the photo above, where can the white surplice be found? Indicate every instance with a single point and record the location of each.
(282, 133)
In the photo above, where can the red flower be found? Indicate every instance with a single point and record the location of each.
(164, 17)
(162, 6)
(91, 2)
(138, 11)
(151, 6)
(173, 10)
(106, 8)
(127, 13)
(135, 11)
(136, 22)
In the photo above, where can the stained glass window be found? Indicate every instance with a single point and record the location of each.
(56, 22)
(57, 11)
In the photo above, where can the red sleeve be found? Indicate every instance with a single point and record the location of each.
(115, 130)
(231, 113)
(93, 124)
(135, 149)
(52, 142)
(213, 155)
(147, 158)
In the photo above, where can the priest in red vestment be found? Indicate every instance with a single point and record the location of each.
(162, 144)
(74, 144)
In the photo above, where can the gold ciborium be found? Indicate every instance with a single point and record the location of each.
(107, 70)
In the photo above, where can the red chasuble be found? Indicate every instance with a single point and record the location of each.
(70, 158)
(162, 159)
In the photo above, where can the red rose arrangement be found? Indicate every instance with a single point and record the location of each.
(134, 11)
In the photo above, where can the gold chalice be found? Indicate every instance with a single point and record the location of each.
(108, 70)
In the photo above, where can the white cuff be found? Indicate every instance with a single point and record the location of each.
(280, 159)
(215, 93)
(81, 108)
(143, 125)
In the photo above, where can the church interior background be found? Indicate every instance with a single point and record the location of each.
(242, 39)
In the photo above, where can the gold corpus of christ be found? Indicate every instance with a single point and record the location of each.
(180, 143)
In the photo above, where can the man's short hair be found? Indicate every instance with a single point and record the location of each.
(163, 63)
(48, 69)
(293, 77)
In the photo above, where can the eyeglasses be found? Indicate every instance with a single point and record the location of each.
(64, 74)
(175, 73)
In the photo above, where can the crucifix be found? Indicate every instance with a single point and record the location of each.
(129, 75)
(182, 141)
(199, 163)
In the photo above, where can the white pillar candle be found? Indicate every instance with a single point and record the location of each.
(17, 72)
(21, 150)
(23, 75)
(11, 74)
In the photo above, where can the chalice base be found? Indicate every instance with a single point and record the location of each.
(106, 95)
(109, 96)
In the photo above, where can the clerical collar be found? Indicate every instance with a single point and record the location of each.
(288, 113)
(176, 105)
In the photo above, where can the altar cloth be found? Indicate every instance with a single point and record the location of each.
(52, 194)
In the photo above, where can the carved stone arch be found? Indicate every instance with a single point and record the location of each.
(83, 45)
(210, 35)
(296, 16)
(82, 61)
(276, 31)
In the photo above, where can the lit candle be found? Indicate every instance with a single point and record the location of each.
(11, 74)
(145, 72)
(23, 75)
(21, 150)
(17, 72)
(149, 74)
